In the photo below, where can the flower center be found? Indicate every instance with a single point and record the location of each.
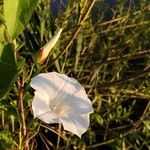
(59, 107)
(56, 108)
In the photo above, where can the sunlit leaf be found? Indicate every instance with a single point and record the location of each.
(17, 15)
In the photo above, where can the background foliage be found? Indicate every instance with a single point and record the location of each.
(105, 46)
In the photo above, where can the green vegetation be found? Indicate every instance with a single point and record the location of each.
(109, 57)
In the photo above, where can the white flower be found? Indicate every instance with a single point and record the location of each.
(61, 99)
(45, 50)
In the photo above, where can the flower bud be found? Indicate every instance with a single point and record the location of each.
(45, 50)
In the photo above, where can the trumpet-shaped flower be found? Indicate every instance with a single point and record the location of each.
(61, 99)
(45, 50)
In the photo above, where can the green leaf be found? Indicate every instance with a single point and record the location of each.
(2, 30)
(2, 27)
(17, 14)
(8, 55)
(99, 119)
(2, 21)
(7, 140)
(8, 69)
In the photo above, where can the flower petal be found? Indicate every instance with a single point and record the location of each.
(73, 96)
(59, 98)
(40, 104)
(71, 85)
(78, 103)
(48, 83)
(64, 91)
(41, 109)
(49, 117)
(76, 124)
